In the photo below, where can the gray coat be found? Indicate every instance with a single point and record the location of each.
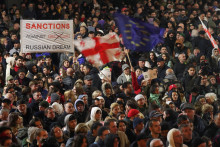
(121, 79)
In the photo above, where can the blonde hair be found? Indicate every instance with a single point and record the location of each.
(113, 105)
(96, 93)
(212, 96)
(81, 128)
(69, 95)
(206, 107)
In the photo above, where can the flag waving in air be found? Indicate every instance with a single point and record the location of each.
(100, 51)
(214, 44)
(138, 35)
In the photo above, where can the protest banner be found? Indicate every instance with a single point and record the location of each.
(150, 74)
(47, 36)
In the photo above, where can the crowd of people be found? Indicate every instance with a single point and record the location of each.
(60, 99)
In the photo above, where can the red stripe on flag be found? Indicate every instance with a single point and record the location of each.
(100, 48)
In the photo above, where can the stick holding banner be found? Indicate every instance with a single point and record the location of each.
(214, 44)
(128, 58)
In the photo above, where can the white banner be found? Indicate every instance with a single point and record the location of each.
(46, 36)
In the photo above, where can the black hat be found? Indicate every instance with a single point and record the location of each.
(141, 59)
(154, 113)
(159, 59)
(188, 106)
(202, 32)
(88, 77)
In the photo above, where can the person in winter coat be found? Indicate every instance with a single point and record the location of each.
(125, 76)
(154, 95)
(95, 116)
(115, 109)
(175, 138)
(142, 104)
(214, 60)
(32, 70)
(89, 70)
(70, 122)
(108, 94)
(112, 140)
(80, 111)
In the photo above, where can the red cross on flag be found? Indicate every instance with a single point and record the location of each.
(214, 44)
(100, 50)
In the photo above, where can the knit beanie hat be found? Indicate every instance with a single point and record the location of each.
(54, 97)
(137, 121)
(133, 112)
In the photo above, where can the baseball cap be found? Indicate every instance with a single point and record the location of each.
(188, 106)
(155, 113)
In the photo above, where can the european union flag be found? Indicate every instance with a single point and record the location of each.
(138, 35)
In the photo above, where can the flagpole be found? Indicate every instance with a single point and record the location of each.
(129, 58)
(214, 44)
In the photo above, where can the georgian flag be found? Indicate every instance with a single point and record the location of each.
(100, 50)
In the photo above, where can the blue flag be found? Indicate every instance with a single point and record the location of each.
(138, 35)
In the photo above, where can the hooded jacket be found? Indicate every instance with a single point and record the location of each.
(32, 134)
(108, 99)
(66, 129)
(92, 116)
(81, 116)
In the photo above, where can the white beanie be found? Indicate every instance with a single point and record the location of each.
(138, 97)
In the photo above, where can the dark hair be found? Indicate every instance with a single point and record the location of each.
(19, 57)
(107, 123)
(51, 141)
(206, 139)
(52, 134)
(8, 88)
(183, 126)
(21, 101)
(88, 66)
(109, 140)
(40, 58)
(101, 130)
(153, 88)
(7, 101)
(151, 122)
(182, 118)
(95, 126)
(125, 85)
(47, 109)
(78, 140)
(121, 121)
(33, 120)
(132, 103)
(4, 128)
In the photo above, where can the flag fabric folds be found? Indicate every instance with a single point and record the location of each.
(138, 35)
(99, 51)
